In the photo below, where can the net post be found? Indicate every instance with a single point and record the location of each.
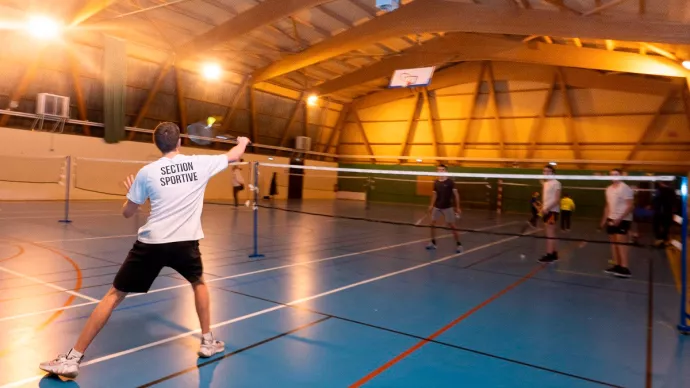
(68, 183)
(684, 326)
(255, 209)
(499, 196)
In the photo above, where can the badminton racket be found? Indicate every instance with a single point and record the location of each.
(419, 221)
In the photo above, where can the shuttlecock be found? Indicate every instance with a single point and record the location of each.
(522, 257)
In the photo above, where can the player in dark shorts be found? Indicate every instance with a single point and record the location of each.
(445, 202)
(618, 217)
(175, 185)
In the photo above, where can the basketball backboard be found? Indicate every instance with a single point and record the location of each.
(409, 78)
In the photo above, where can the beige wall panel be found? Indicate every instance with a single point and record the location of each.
(520, 104)
(451, 131)
(482, 153)
(331, 118)
(352, 149)
(89, 173)
(517, 130)
(525, 85)
(483, 131)
(675, 128)
(553, 154)
(385, 132)
(620, 153)
(422, 150)
(625, 129)
(484, 107)
(457, 89)
(396, 110)
(423, 132)
(450, 150)
(351, 134)
(455, 107)
(592, 101)
(553, 130)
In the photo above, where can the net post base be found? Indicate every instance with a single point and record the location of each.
(684, 329)
(65, 221)
(256, 256)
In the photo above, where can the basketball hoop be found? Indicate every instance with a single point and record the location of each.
(411, 78)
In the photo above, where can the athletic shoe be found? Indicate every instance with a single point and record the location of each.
(66, 365)
(611, 270)
(459, 248)
(431, 246)
(549, 258)
(210, 347)
(622, 272)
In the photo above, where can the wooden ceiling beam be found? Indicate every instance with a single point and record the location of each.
(260, 15)
(469, 47)
(465, 73)
(87, 10)
(428, 16)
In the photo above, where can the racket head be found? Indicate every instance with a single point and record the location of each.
(202, 130)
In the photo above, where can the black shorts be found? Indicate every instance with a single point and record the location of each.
(551, 218)
(145, 261)
(622, 228)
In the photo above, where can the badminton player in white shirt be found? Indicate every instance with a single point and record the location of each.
(175, 185)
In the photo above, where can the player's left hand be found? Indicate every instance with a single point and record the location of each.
(128, 182)
(615, 222)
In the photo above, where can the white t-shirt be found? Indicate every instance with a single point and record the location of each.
(550, 195)
(616, 198)
(176, 189)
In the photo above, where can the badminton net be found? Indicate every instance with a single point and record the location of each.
(33, 169)
(105, 178)
(403, 197)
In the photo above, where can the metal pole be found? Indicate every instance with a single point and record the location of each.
(255, 209)
(684, 314)
(68, 183)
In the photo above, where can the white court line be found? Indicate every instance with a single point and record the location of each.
(86, 238)
(71, 216)
(246, 274)
(268, 310)
(53, 286)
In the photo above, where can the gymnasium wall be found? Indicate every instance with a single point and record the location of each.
(606, 123)
(98, 168)
(77, 72)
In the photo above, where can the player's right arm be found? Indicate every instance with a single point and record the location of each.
(237, 151)
(433, 199)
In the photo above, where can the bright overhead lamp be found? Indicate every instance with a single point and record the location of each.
(43, 27)
(211, 71)
(312, 100)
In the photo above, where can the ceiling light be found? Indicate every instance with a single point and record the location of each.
(43, 27)
(686, 64)
(211, 71)
(312, 100)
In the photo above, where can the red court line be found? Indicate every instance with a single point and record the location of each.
(442, 330)
(55, 315)
(21, 252)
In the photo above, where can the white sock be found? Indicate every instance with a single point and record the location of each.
(73, 352)
(208, 336)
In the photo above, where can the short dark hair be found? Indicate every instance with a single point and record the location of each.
(551, 167)
(618, 170)
(443, 166)
(166, 136)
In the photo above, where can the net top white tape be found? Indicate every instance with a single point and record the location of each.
(666, 178)
(105, 160)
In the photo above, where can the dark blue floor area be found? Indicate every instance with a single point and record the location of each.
(338, 302)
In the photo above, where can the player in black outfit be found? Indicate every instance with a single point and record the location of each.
(443, 198)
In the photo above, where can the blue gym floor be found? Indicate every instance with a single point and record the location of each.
(338, 303)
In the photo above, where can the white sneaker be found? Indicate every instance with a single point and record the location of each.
(210, 347)
(66, 365)
(431, 246)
